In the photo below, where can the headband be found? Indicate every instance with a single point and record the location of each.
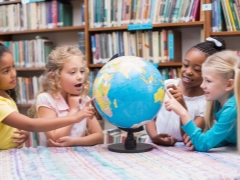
(217, 43)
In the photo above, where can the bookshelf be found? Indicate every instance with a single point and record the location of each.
(59, 36)
(68, 35)
(231, 37)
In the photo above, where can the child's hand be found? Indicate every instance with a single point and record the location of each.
(164, 139)
(65, 141)
(21, 138)
(173, 105)
(73, 102)
(188, 142)
(87, 112)
(176, 94)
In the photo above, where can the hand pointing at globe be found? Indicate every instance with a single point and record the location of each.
(173, 105)
(88, 111)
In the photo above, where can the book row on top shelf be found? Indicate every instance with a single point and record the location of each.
(110, 13)
(44, 15)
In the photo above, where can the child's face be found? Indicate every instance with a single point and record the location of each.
(7, 72)
(191, 70)
(72, 76)
(213, 85)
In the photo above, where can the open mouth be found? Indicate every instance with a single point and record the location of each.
(78, 85)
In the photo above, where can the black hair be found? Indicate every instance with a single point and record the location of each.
(209, 47)
(11, 92)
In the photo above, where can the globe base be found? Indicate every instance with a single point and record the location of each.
(130, 145)
(121, 148)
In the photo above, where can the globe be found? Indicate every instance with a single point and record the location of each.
(128, 91)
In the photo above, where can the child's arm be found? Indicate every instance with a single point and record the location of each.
(175, 92)
(160, 139)
(20, 121)
(95, 137)
(44, 112)
(222, 129)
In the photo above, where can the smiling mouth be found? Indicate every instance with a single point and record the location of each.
(186, 79)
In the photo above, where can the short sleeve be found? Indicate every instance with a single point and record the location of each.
(5, 110)
(45, 100)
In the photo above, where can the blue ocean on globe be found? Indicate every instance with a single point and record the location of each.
(128, 91)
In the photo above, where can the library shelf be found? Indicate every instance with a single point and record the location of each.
(10, 2)
(62, 29)
(170, 64)
(180, 24)
(24, 105)
(225, 33)
(167, 64)
(31, 69)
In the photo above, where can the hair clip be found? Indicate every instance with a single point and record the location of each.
(217, 43)
(115, 56)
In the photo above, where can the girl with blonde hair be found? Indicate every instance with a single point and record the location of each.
(221, 86)
(65, 89)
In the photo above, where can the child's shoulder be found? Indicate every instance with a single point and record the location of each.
(45, 96)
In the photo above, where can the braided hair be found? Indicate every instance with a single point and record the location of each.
(209, 47)
(11, 92)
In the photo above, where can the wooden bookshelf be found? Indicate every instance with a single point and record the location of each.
(120, 28)
(168, 64)
(10, 2)
(31, 69)
(225, 33)
(24, 105)
(63, 29)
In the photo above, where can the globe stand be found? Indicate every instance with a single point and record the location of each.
(130, 145)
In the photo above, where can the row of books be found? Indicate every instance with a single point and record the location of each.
(155, 46)
(32, 53)
(27, 89)
(115, 135)
(39, 15)
(108, 13)
(170, 73)
(225, 15)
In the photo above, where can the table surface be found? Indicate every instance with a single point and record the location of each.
(97, 162)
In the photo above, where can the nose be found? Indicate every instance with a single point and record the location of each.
(202, 85)
(189, 71)
(13, 73)
(79, 75)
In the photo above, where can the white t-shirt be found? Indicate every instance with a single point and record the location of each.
(169, 122)
(61, 108)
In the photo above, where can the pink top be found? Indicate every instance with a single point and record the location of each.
(61, 108)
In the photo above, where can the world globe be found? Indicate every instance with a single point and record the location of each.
(128, 91)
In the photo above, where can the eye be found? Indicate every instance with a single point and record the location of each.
(82, 72)
(72, 72)
(197, 70)
(13, 66)
(5, 72)
(185, 65)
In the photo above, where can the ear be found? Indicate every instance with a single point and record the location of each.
(229, 85)
(51, 75)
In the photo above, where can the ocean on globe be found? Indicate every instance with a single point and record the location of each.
(128, 91)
